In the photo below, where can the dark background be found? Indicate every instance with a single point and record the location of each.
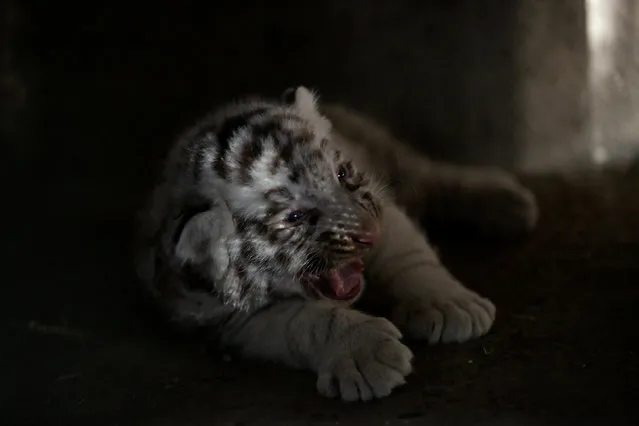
(93, 94)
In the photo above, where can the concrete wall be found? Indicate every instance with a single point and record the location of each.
(110, 85)
(553, 93)
(614, 65)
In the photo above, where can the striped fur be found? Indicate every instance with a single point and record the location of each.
(264, 215)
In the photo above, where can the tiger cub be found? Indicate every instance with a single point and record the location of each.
(270, 221)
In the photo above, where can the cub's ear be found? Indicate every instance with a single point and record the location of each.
(306, 102)
(200, 236)
(288, 97)
(303, 98)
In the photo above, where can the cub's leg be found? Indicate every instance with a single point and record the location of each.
(488, 199)
(429, 303)
(355, 356)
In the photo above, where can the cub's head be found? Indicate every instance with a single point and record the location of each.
(304, 215)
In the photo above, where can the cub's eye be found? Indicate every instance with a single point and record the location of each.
(342, 173)
(296, 216)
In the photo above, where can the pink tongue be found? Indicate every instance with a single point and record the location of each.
(344, 280)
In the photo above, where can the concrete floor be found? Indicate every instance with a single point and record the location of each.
(81, 131)
(83, 348)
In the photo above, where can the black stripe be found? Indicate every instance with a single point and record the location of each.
(288, 117)
(275, 127)
(250, 152)
(313, 219)
(272, 127)
(240, 273)
(299, 243)
(304, 136)
(296, 172)
(274, 237)
(244, 282)
(247, 251)
(286, 152)
(316, 156)
(261, 228)
(352, 186)
(370, 204)
(274, 209)
(282, 257)
(284, 137)
(243, 225)
(224, 134)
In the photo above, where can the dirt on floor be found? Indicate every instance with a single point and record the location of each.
(82, 349)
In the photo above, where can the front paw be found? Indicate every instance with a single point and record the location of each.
(365, 361)
(444, 315)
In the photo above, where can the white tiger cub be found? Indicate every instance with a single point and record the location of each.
(266, 221)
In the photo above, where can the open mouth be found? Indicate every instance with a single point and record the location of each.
(343, 284)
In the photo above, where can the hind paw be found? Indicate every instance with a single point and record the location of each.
(502, 206)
